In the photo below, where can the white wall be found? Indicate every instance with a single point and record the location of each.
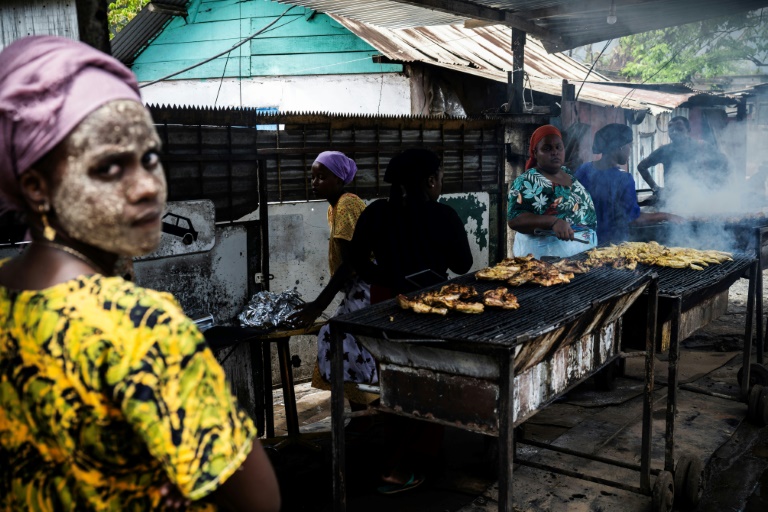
(388, 93)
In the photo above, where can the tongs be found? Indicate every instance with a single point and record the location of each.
(549, 232)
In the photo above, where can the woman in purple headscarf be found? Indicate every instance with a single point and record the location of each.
(109, 396)
(331, 171)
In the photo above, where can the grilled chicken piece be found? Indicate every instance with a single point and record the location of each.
(471, 308)
(575, 267)
(439, 302)
(497, 273)
(419, 307)
(520, 278)
(551, 277)
(462, 290)
(500, 298)
(629, 254)
(518, 271)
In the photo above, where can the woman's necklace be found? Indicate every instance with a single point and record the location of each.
(74, 252)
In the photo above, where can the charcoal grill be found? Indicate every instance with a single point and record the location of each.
(503, 365)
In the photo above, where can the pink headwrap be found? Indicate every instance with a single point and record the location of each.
(48, 85)
(339, 164)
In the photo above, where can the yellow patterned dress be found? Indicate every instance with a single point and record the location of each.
(107, 392)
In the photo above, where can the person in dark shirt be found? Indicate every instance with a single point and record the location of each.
(410, 232)
(613, 189)
(684, 155)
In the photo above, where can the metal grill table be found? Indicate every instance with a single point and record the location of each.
(688, 300)
(748, 236)
(488, 373)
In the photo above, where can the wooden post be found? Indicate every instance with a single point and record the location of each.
(93, 25)
(516, 101)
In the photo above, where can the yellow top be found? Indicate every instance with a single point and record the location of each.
(341, 220)
(108, 391)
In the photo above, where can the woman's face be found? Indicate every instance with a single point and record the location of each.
(435, 185)
(109, 190)
(550, 153)
(325, 184)
(624, 152)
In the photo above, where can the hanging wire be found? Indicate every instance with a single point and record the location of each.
(530, 88)
(238, 45)
(592, 67)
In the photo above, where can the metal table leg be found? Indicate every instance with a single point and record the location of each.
(286, 378)
(506, 430)
(650, 359)
(269, 415)
(747, 356)
(759, 311)
(257, 379)
(674, 356)
(337, 421)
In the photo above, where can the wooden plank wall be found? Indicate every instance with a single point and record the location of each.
(301, 43)
(21, 18)
(205, 159)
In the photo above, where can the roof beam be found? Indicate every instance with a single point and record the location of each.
(480, 12)
(576, 8)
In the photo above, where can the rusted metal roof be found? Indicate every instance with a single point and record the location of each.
(487, 52)
(559, 24)
(137, 34)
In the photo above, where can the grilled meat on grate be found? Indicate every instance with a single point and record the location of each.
(500, 298)
(629, 254)
(453, 296)
(521, 270)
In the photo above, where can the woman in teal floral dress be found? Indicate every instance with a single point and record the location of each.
(547, 198)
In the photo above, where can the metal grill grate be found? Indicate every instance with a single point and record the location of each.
(684, 282)
(542, 309)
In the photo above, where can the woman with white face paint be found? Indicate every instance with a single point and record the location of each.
(109, 396)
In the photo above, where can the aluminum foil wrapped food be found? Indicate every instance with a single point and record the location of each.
(270, 310)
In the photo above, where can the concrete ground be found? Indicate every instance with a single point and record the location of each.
(459, 467)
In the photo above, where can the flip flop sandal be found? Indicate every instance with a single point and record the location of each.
(412, 483)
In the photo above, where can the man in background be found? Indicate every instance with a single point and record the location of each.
(684, 155)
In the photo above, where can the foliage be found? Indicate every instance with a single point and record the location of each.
(120, 12)
(704, 49)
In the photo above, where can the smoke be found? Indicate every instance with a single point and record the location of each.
(712, 195)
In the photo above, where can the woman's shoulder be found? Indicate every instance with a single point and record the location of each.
(348, 199)
(117, 294)
(585, 168)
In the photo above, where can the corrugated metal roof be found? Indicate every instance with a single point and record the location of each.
(129, 42)
(559, 24)
(487, 52)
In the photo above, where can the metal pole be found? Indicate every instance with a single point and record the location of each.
(748, 330)
(337, 421)
(674, 356)
(650, 359)
(506, 430)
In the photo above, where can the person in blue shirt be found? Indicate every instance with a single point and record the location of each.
(613, 189)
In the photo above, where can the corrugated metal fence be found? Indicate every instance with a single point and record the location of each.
(215, 154)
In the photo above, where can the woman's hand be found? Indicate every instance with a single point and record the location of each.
(305, 314)
(172, 497)
(562, 229)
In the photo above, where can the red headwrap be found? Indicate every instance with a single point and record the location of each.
(540, 133)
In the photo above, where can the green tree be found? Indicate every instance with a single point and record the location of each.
(704, 49)
(121, 12)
